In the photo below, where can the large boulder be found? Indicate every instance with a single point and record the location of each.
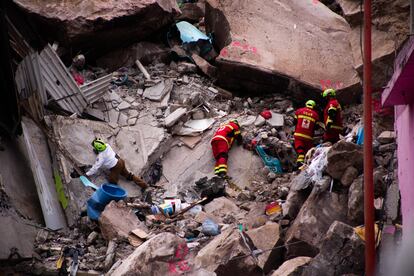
(100, 24)
(342, 252)
(227, 254)
(309, 228)
(264, 238)
(389, 30)
(356, 201)
(272, 45)
(343, 155)
(292, 267)
(161, 255)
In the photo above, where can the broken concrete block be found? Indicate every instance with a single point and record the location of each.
(292, 267)
(132, 121)
(386, 137)
(171, 119)
(195, 127)
(349, 175)
(186, 67)
(95, 113)
(392, 201)
(113, 116)
(122, 120)
(118, 220)
(341, 252)
(158, 91)
(129, 99)
(132, 113)
(92, 237)
(220, 207)
(217, 255)
(114, 98)
(263, 238)
(259, 121)
(157, 256)
(190, 141)
(204, 66)
(247, 121)
(276, 120)
(124, 105)
(343, 155)
(198, 115)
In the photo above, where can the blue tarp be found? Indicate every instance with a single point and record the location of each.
(189, 33)
(271, 162)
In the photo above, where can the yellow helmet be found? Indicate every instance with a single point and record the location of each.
(311, 104)
(98, 144)
(329, 92)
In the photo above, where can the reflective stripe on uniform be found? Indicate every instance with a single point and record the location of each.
(303, 136)
(220, 170)
(301, 158)
(337, 127)
(306, 117)
(221, 137)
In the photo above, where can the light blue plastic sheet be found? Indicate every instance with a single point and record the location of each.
(189, 33)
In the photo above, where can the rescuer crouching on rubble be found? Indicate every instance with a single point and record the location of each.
(221, 144)
(332, 117)
(108, 159)
(305, 119)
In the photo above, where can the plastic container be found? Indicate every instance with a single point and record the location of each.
(101, 197)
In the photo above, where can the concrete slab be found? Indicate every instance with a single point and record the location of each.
(276, 120)
(124, 105)
(171, 119)
(158, 91)
(183, 166)
(41, 165)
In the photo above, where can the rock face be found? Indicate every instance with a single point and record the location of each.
(343, 155)
(218, 254)
(220, 207)
(319, 211)
(276, 44)
(163, 254)
(265, 237)
(342, 252)
(100, 24)
(356, 201)
(117, 221)
(292, 267)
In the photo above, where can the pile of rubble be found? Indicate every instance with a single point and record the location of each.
(158, 108)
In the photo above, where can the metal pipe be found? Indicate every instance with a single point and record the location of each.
(368, 156)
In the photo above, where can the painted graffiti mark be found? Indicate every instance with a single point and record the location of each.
(178, 265)
(328, 84)
(244, 47)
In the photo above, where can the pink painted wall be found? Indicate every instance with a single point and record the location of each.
(404, 125)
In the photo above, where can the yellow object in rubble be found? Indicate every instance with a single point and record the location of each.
(360, 230)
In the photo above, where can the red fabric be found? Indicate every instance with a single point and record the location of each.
(304, 125)
(220, 151)
(266, 114)
(224, 131)
(332, 134)
(78, 78)
(302, 145)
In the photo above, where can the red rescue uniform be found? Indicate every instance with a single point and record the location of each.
(221, 144)
(332, 118)
(304, 131)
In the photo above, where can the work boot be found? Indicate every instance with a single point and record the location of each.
(222, 174)
(298, 165)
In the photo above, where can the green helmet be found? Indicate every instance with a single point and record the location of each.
(329, 92)
(235, 121)
(311, 104)
(98, 144)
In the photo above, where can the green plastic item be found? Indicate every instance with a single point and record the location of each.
(60, 191)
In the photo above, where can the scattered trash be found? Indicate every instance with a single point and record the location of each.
(271, 162)
(266, 114)
(210, 228)
(273, 208)
(318, 164)
(87, 183)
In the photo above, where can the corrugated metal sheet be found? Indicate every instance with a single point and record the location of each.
(18, 43)
(58, 82)
(94, 90)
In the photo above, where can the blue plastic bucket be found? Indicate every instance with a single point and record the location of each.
(105, 194)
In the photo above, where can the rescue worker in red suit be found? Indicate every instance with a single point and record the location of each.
(332, 117)
(221, 144)
(306, 118)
